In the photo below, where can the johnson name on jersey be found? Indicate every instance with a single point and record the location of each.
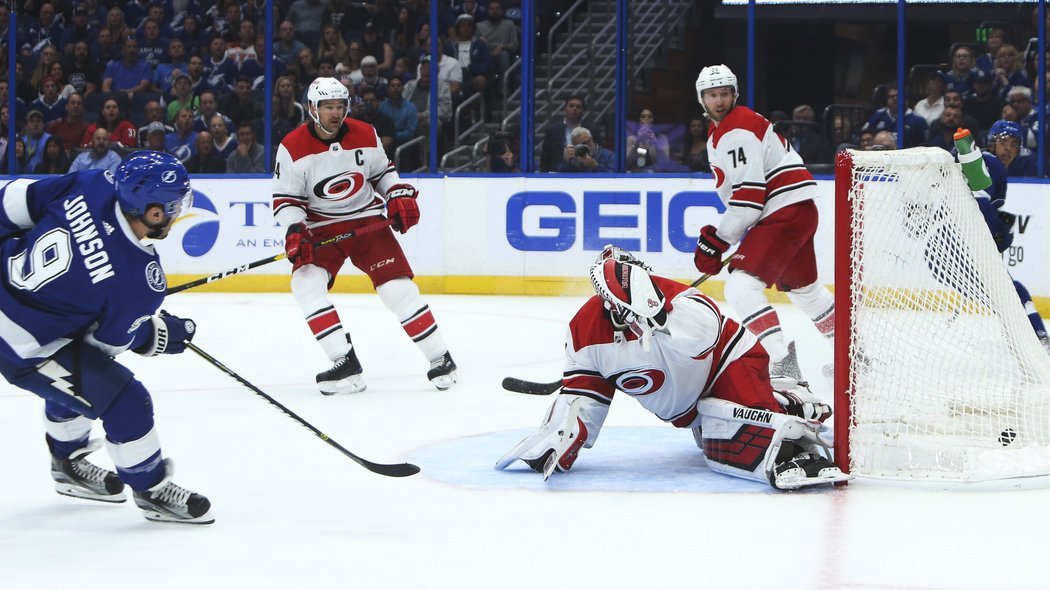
(668, 379)
(756, 171)
(322, 182)
(69, 252)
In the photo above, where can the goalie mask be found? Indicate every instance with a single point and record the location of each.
(633, 299)
(620, 255)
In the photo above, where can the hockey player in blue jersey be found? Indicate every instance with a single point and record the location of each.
(77, 288)
(1000, 223)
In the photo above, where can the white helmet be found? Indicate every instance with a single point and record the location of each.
(325, 89)
(714, 77)
(632, 297)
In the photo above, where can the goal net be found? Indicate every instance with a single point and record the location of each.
(938, 373)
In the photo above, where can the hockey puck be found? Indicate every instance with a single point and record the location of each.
(1007, 436)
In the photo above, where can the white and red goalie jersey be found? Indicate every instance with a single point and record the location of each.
(321, 182)
(669, 378)
(756, 171)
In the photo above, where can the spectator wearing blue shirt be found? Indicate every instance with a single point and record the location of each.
(34, 138)
(286, 46)
(153, 49)
(1006, 142)
(220, 69)
(183, 142)
(1009, 71)
(50, 104)
(45, 29)
(915, 127)
(130, 74)
(403, 113)
(960, 77)
(164, 74)
(99, 157)
(472, 52)
(584, 155)
(191, 33)
(79, 30)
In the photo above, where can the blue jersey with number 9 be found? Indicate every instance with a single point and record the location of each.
(72, 268)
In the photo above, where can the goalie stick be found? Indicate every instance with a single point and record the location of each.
(536, 388)
(397, 470)
(246, 267)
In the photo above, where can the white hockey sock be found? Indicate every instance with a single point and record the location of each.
(818, 303)
(746, 293)
(310, 288)
(401, 296)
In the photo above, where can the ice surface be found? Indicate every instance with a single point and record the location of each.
(639, 510)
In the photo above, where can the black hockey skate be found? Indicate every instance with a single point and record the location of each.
(805, 469)
(442, 372)
(788, 366)
(167, 502)
(344, 376)
(79, 478)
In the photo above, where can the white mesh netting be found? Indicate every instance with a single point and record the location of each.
(947, 378)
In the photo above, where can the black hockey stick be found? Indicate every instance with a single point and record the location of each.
(245, 267)
(530, 387)
(398, 470)
(536, 388)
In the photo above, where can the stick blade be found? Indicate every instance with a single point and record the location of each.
(530, 387)
(396, 470)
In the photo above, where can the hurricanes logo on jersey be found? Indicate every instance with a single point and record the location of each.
(720, 176)
(340, 186)
(638, 382)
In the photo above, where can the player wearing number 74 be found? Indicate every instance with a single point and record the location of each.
(769, 197)
(78, 287)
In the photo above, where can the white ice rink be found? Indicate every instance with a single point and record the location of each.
(638, 511)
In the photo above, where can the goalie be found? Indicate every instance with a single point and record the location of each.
(669, 346)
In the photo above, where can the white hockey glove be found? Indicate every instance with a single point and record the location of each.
(798, 400)
(555, 446)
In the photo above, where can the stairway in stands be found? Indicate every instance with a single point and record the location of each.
(576, 56)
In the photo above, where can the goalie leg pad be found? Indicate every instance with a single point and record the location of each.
(765, 446)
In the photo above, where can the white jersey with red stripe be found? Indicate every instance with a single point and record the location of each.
(323, 182)
(669, 379)
(756, 171)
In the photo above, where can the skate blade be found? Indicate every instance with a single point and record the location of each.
(74, 491)
(790, 480)
(157, 516)
(351, 384)
(444, 382)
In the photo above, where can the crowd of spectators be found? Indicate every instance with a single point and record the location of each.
(96, 79)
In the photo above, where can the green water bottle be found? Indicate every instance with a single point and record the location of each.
(972, 163)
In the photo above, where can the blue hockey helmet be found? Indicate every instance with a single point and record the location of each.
(153, 178)
(1003, 129)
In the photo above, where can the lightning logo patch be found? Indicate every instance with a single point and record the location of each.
(58, 374)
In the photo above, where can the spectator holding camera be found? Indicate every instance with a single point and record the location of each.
(646, 149)
(584, 155)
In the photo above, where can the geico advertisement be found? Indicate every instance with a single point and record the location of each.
(539, 226)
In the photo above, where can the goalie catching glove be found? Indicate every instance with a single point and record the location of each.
(167, 334)
(709, 251)
(555, 446)
(298, 244)
(401, 206)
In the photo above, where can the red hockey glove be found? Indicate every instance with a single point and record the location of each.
(298, 244)
(401, 206)
(709, 251)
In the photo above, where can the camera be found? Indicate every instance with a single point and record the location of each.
(581, 150)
